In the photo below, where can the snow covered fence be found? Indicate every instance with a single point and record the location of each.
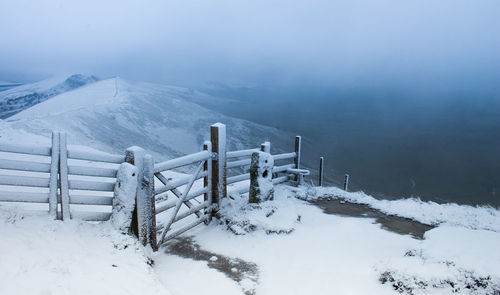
(280, 173)
(79, 182)
(73, 182)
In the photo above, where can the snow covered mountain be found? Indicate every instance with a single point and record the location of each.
(16, 99)
(114, 114)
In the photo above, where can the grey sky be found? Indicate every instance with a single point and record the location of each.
(190, 42)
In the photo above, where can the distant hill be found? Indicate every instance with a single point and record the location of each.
(19, 98)
(114, 114)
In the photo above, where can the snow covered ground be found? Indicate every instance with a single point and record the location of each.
(300, 250)
(284, 246)
(43, 256)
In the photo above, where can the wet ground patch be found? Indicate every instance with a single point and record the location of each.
(397, 224)
(245, 273)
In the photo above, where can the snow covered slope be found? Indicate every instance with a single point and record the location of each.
(19, 98)
(114, 114)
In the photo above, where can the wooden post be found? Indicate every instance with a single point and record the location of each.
(321, 170)
(54, 171)
(261, 179)
(207, 180)
(144, 217)
(346, 182)
(266, 147)
(296, 160)
(63, 177)
(219, 175)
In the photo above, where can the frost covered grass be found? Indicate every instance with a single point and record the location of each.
(43, 256)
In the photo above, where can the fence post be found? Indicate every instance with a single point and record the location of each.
(261, 178)
(296, 160)
(63, 176)
(219, 176)
(266, 147)
(54, 171)
(144, 217)
(346, 182)
(321, 170)
(207, 180)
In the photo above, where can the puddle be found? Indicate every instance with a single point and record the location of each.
(245, 273)
(392, 223)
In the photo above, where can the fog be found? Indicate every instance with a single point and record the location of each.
(403, 95)
(253, 42)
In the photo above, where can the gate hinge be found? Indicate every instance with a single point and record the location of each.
(214, 156)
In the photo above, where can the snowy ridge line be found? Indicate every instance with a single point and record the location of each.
(428, 212)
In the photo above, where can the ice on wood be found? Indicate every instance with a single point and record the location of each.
(124, 197)
(261, 177)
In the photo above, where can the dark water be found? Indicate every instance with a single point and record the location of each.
(441, 145)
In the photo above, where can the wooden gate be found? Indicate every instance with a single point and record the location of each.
(186, 191)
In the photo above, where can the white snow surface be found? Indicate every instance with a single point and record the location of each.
(43, 256)
(479, 217)
(330, 254)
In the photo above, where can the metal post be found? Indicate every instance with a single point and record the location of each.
(219, 176)
(321, 170)
(346, 182)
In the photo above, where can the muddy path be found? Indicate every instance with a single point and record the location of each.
(245, 273)
(393, 223)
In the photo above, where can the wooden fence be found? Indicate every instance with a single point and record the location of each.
(78, 183)
(59, 176)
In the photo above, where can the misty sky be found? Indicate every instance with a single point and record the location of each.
(254, 42)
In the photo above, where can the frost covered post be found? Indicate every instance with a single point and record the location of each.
(296, 160)
(219, 176)
(63, 176)
(261, 177)
(346, 182)
(124, 197)
(207, 180)
(144, 217)
(321, 170)
(54, 171)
